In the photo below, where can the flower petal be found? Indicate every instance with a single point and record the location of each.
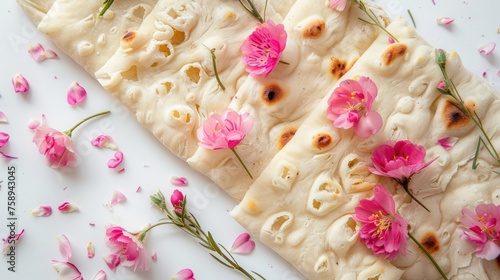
(10, 241)
(67, 270)
(100, 275)
(42, 211)
(37, 52)
(117, 197)
(184, 274)
(114, 162)
(4, 138)
(243, 245)
(76, 94)
(112, 260)
(104, 141)
(487, 49)
(3, 118)
(64, 247)
(139, 188)
(178, 181)
(447, 142)
(90, 250)
(20, 83)
(6, 156)
(154, 256)
(444, 20)
(33, 124)
(67, 207)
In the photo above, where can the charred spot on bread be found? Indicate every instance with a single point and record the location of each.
(314, 29)
(393, 52)
(286, 136)
(454, 117)
(129, 36)
(272, 94)
(322, 140)
(430, 242)
(338, 67)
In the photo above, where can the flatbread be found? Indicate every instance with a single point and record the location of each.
(77, 29)
(322, 45)
(302, 204)
(165, 76)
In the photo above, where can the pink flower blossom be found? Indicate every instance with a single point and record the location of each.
(10, 241)
(67, 207)
(225, 130)
(263, 48)
(42, 211)
(66, 270)
(383, 230)
(20, 83)
(104, 141)
(447, 142)
(482, 229)
(4, 138)
(178, 181)
(90, 250)
(56, 146)
(243, 244)
(126, 249)
(116, 161)
(100, 275)
(64, 247)
(444, 20)
(399, 160)
(350, 105)
(177, 198)
(487, 49)
(184, 274)
(39, 53)
(76, 94)
(338, 5)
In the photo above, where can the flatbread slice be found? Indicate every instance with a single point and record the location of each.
(322, 45)
(165, 74)
(76, 28)
(302, 204)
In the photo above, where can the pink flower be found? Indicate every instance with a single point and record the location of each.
(482, 229)
(177, 199)
(225, 130)
(383, 230)
(104, 141)
(76, 94)
(444, 20)
(66, 270)
(338, 5)
(20, 83)
(4, 138)
(67, 207)
(178, 181)
(400, 160)
(42, 211)
(126, 249)
(262, 49)
(39, 54)
(243, 244)
(56, 146)
(184, 274)
(350, 106)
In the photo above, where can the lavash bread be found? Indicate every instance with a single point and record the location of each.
(322, 45)
(36, 9)
(77, 29)
(302, 204)
(165, 74)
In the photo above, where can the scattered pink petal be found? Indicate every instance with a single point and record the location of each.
(20, 83)
(104, 141)
(391, 40)
(76, 94)
(154, 256)
(100, 275)
(444, 20)
(34, 123)
(39, 53)
(184, 274)
(92, 224)
(67, 207)
(3, 118)
(112, 260)
(66, 270)
(447, 142)
(178, 181)
(243, 244)
(4, 138)
(42, 211)
(64, 247)
(484, 74)
(487, 49)
(6, 156)
(121, 170)
(11, 240)
(114, 162)
(117, 197)
(139, 188)
(90, 250)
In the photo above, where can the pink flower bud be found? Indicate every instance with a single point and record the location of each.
(177, 198)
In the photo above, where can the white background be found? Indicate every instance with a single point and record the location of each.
(90, 184)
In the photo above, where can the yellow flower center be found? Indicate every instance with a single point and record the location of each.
(382, 222)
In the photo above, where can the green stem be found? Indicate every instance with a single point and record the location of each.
(70, 131)
(214, 63)
(373, 18)
(405, 187)
(429, 256)
(253, 11)
(242, 163)
(143, 234)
